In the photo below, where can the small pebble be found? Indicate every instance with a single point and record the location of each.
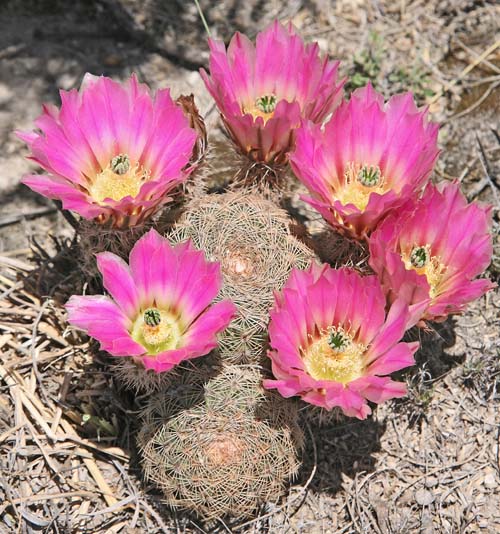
(424, 497)
(5, 94)
(66, 81)
(431, 482)
(113, 60)
(490, 481)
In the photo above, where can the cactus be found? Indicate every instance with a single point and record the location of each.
(321, 418)
(251, 239)
(340, 251)
(224, 455)
(225, 169)
(132, 375)
(95, 238)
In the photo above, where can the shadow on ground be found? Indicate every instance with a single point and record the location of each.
(343, 448)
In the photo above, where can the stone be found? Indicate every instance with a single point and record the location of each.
(424, 497)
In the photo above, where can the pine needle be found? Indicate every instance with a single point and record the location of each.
(202, 17)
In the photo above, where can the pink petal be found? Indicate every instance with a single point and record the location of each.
(118, 281)
(396, 358)
(202, 333)
(101, 318)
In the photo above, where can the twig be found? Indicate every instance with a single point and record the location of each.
(476, 104)
(487, 170)
(496, 134)
(155, 514)
(33, 350)
(50, 496)
(11, 51)
(70, 218)
(472, 52)
(15, 218)
(15, 264)
(465, 71)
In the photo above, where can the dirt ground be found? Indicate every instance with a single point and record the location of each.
(425, 464)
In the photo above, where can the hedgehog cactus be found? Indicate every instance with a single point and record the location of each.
(226, 455)
(94, 239)
(189, 313)
(135, 377)
(256, 252)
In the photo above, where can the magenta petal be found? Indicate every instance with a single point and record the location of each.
(57, 188)
(165, 361)
(392, 331)
(123, 346)
(286, 388)
(396, 358)
(144, 261)
(205, 328)
(379, 389)
(103, 320)
(83, 311)
(118, 281)
(351, 402)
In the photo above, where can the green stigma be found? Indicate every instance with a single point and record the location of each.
(152, 317)
(369, 175)
(419, 257)
(266, 103)
(120, 164)
(338, 340)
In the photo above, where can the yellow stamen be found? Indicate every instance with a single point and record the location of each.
(360, 181)
(118, 180)
(420, 259)
(156, 330)
(334, 356)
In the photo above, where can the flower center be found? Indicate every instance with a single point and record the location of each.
(360, 181)
(120, 164)
(263, 106)
(420, 256)
(419, 259)
(369, 175)
(334, 356)
(266, 103)
(156, 330)
(118, 180)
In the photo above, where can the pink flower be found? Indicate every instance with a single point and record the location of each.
(112, 152)
(159, 311)
(332, 343)
(369, 159)
(431, 251)
(263, 91)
